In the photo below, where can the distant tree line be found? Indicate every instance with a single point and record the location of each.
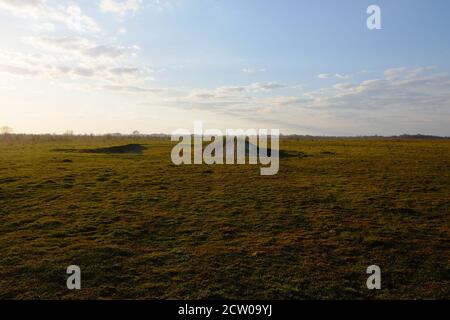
(6, 130)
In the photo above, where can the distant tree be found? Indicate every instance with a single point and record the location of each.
(6, 130)
(68, 133)
(136, 133)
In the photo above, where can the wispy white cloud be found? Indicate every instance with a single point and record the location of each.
(46, 14)
(227, 94)
(123, 7)
(120, 7)
(337, 75)
(254, 87)
(411, 96)
(324, 76)
(405, 73)
(134, 89)
(342, 76)
(400, 88)
(251, 70)
(66, 68)
(73, 59)
(81, 46)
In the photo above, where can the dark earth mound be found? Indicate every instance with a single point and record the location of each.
(292, 154)
(251, 149)
(125, 149)
(129, 148)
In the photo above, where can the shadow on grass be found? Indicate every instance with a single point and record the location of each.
(125, 149)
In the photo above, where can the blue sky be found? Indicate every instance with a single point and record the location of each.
(306, 67)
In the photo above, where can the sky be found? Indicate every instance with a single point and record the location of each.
(304, 67)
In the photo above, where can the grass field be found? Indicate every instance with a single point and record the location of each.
(142, 228)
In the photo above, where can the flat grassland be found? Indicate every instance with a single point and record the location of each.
(140, 227)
